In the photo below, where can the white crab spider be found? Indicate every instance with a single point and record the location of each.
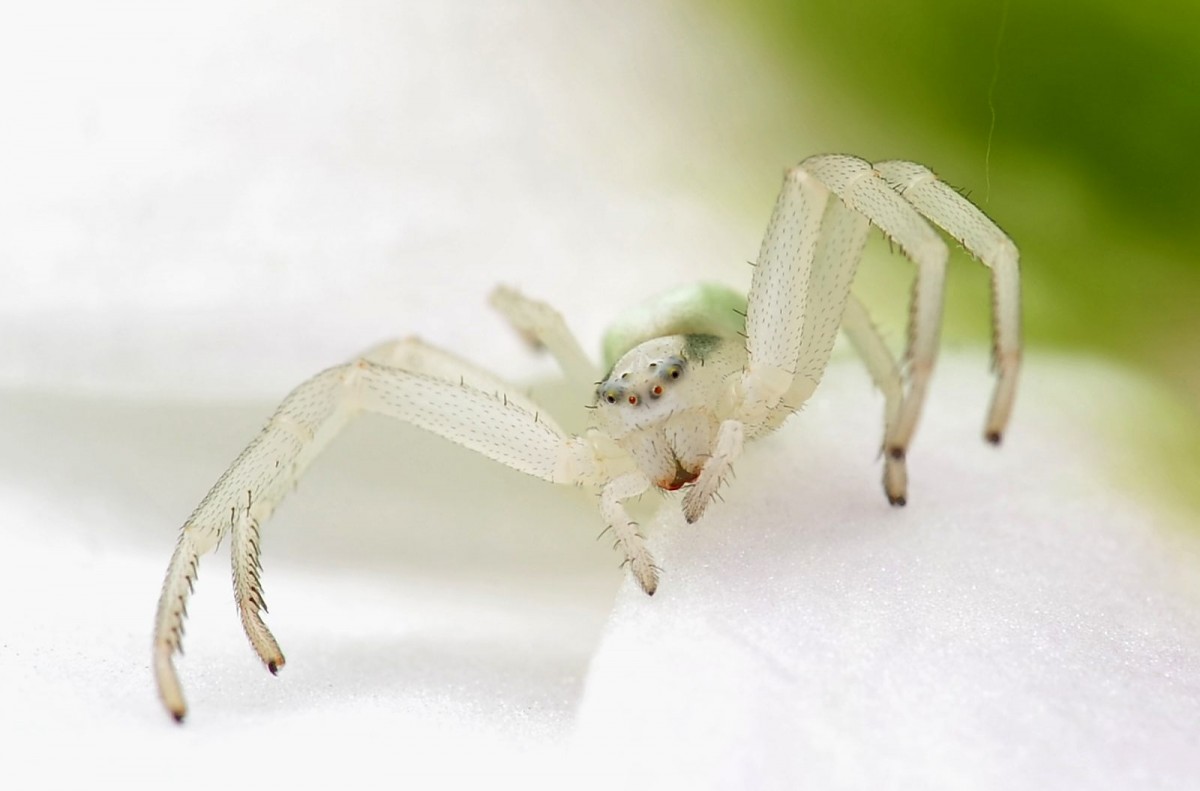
(683, 395)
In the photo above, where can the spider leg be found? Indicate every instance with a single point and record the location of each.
(972, 228)
(777, 306)
(794, 309)
(864, 190)
(471, 408)
(885, 372)
(544, 326)
(839, 250)
(775, 318)
(842, 235)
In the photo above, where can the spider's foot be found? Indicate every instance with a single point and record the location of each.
(262, 641)
(993, 436)
(169, 689)
(268, 651)
(647, 579)
(895, 477)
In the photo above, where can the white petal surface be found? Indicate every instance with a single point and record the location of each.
(1022, 623)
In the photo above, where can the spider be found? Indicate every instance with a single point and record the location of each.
(691, 379)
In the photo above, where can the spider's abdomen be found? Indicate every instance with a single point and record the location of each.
(693, 309)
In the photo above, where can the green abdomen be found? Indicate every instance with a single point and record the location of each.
(694, 309)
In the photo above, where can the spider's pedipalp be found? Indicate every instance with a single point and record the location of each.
(726, 449)
(628, 538)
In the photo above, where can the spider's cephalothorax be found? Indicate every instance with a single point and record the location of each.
(661, 403)
(693, 376)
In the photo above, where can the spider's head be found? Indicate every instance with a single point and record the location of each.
(628, 387)
(644, 387)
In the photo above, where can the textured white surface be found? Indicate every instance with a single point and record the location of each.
(1021, 623)
(225, 200)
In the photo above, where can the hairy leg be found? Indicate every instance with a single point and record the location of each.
(498, 423)
(864, 190)
(964, 221)
(544, 326)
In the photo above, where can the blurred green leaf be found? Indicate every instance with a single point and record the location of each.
(1075, 124)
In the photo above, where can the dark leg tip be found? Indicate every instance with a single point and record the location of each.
(993, 437)
(900, 500)
(274, 668)
(177, 716)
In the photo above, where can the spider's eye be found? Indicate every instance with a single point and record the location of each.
(610, 398)
(633, 400)
(656, 390)
(675, 372)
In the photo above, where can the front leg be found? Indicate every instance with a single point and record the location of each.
(241, 499)
(438, 393)
(780, 321)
